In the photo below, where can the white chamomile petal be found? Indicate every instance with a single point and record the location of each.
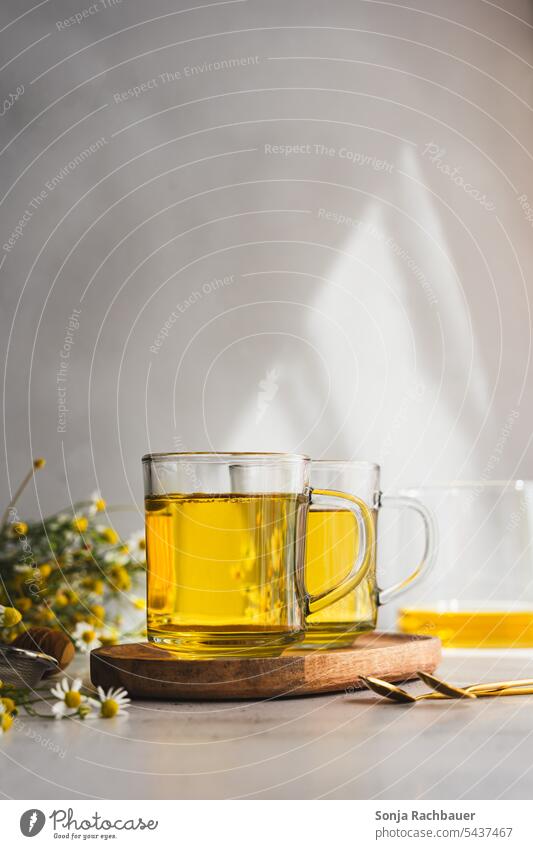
(59, 710)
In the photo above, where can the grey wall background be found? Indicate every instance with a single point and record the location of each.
(401, 335)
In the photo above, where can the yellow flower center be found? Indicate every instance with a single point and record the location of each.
(6, 721)
(72, 699)
(110, 535)
(109, 708)
(88, 636)
(11, 617)
(100, 504)
(9, 704)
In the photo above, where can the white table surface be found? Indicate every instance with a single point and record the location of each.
(340, 746)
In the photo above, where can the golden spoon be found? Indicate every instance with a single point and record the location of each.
(394, 693)
(498, 688)
(445, 689)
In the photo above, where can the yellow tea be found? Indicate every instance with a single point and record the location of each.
(471, 628)
(225, 571)
(331, 547)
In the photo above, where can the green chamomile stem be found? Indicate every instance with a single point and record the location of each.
(39, 715)
(25, 480)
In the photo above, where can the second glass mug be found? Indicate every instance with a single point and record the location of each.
(225, 540)
(332, 539)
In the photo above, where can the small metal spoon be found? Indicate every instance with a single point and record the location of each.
(24, 668)
(394, 693)
(445, 689)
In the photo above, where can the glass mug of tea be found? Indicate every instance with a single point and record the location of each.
(225, 543)
(332, 541)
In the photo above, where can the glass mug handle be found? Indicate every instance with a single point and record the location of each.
(430, 545)
(364, 557)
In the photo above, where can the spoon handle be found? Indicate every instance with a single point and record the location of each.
(509, 691)
(499, 685)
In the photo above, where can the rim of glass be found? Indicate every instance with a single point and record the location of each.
(226, 456)
(359, 464)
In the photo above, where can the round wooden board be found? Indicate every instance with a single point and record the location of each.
(149, 672)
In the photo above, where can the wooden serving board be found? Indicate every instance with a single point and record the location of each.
(149, 672)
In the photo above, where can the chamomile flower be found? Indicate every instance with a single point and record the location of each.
(137, 546)
(109, 535)
(68, 697)
(97, 504)
(86, 637)
(80, 524)
(6, 720)
(9, 616)
(113, 703)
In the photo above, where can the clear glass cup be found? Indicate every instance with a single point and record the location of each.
(225, 537)
(332, 541)
(481, 593)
